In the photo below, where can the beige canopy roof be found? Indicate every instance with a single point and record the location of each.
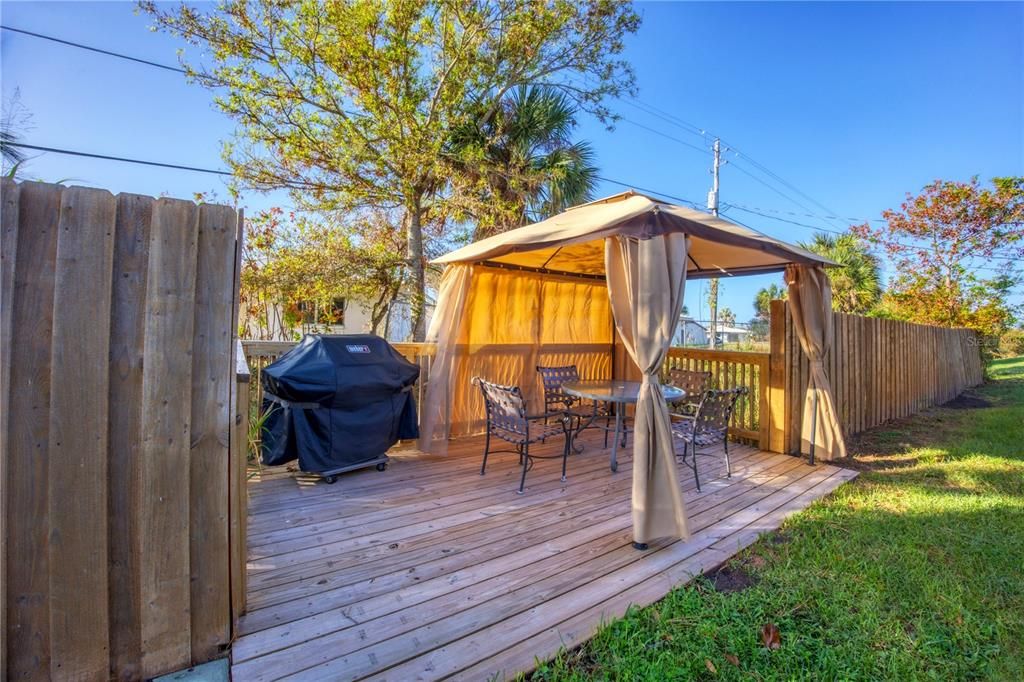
(573, 241)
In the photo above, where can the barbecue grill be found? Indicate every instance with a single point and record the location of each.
(337, 403)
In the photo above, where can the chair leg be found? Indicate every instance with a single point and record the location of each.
(526, 460)
(693, 464)
(728, 466)
(568, 441)
(487, 449)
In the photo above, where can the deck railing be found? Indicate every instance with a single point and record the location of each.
(732, 369)
(729, 369)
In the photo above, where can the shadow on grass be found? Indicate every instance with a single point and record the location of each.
(913, 571)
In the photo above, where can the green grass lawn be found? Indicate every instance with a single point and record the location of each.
(913, 571)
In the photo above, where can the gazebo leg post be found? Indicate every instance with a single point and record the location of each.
(814, 424)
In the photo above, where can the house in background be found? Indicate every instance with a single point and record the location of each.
(348, 316)
(732, 334)
(690, 333)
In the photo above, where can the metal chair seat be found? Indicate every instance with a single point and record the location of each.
(507, 419)
(708, 425)
(558, 402)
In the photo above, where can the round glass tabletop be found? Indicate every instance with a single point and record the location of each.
(615, 391)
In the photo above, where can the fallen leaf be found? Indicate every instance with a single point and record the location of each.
(770, 636)
(732, 658)
(710, 665)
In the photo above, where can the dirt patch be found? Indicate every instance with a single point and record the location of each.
(732, 579)
(967, 401)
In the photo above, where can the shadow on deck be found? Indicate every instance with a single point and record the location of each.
(429, 570)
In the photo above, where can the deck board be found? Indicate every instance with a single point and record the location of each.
(430, 571)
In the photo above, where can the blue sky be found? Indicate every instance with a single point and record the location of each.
(853, 104)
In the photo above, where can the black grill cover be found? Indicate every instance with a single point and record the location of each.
(337, 401)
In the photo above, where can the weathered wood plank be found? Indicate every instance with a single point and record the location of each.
(212, 376)
(9, 193)
(28, 510)
(164, 466)
(79, 628)
(128, 299)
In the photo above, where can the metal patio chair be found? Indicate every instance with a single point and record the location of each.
(557, 401)
(708, 425)
(508, 420)
(694, 383)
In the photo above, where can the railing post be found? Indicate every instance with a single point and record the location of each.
(776, 393)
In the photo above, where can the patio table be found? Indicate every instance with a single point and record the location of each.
(620, 393)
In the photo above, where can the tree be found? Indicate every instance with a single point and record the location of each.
(763, 300)
(520, 163)
(857, 283)
(727, 317)
(957, 249)
(350, 105)
(294, 269)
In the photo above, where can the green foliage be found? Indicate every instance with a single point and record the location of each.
(940, 239)
(292, 261)
(1011, 343)
(519, 163)
(764, 298)
(351, 105)
(857, 283)
(912, 571)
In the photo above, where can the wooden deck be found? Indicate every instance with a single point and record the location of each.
(429, 571)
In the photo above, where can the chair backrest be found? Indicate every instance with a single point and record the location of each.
(506, 409)
(691, 381)
(715, 410)
(553, 378)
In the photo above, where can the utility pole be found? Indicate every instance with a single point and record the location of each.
(713, 207)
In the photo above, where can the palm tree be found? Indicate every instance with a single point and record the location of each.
(519, 164)
(857, 284)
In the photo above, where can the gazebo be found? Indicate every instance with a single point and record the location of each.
(601, 286)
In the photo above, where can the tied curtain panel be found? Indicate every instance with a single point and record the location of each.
(499, 324)
(810, 297)
(646, 279)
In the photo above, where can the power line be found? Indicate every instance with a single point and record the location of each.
(94, 49)
(105, 157)
(692, 203)
(702, 150)
(836, 232)
(641, 106)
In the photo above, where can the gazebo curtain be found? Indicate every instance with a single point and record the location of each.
(646, 279)
(810, 298)
(435, 422)
(499, 324)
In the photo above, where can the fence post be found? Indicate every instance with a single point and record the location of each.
(238, 493)
(775, 419)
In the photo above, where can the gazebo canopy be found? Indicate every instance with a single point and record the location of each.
(600, 287)
(573, 241)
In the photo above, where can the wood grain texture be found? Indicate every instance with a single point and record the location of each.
(210, 424)
(127, 315)
(28, 510)
(882, 370)
(164, 566)
(9, 193)
(429, 570)
(100, 330)
(79, 631)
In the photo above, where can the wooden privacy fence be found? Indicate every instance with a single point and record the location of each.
(117, 373)
(879, 369)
